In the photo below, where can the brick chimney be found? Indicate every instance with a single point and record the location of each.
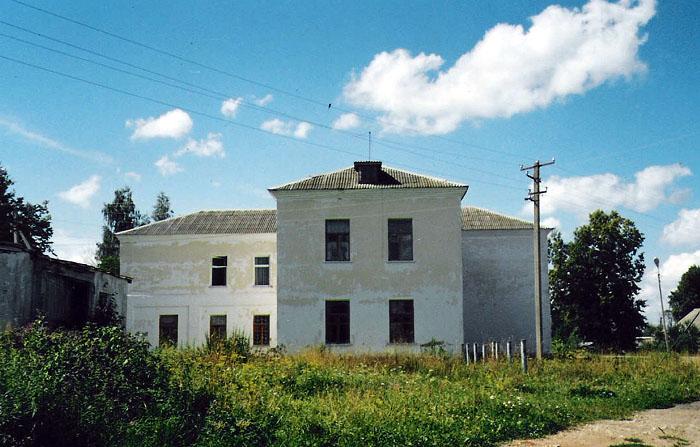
(368, 171)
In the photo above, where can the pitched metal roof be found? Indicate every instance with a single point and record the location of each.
(474, 218)
(212, 222)
(348, 178)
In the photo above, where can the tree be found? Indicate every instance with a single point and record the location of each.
(686, 297)
(33, 220)
(594, 281)
(161, 210)
(120, 215)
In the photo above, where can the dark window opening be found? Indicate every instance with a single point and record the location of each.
(337, 322)
(217, 328)
(262, 271)
(400, 240)
(338, 240)
(261, 330)
(401, 321)
(167, 330)
(218, 271)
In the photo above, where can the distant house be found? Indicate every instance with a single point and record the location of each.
(693, 317)
(65, 293)
(366, 258)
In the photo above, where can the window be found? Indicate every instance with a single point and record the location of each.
(337, 322)
(217, 328)
(262, 271)
(167, 330)
(400, 239)
(218, 271)
(261, 330)
(338, 240)
(401, 321)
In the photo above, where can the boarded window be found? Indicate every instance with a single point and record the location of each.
(167, 330)
(337, 322)
(217, 328)
(262, 271)
(261, 330)
(338, 240)
(401, 321)
(400, 239)
(218, 271)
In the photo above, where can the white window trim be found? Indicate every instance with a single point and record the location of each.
(269, 270)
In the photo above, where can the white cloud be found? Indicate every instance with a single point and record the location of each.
(50, 143)
(166, 166)
(172, 124)
(550, 222)
(279, 127)
(81, 193)
(346, 121)
(581, 195)
(685, 230)
(229, 108)
(265, 100)
(135, 176)
(510, 70)
(672, 268)
(74, 248)
(208, 147)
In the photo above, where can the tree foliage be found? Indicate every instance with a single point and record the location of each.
(594, 281)
(33, 220)
(161, 210)
(686, 297)
(119, 215)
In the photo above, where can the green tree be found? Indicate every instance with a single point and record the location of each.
(119, 215)
(162, 210)
(594, 281)
(686, 297)
(33, 220)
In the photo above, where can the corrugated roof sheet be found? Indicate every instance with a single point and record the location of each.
(212, 222)
(348, 178)
(265, 221)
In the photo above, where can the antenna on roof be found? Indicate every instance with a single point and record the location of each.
(369, 149)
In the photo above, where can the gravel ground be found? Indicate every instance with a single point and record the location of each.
(671, 427)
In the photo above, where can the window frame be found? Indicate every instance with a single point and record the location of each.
(167, 340)
(398, 338)
(257, 266)
(338, 242)
(266, 330)
(342, 329)
(218, 337)
(400, 257)
(219, 268)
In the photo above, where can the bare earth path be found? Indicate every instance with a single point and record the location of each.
(677, 426)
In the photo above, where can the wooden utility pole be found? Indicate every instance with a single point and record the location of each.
(534, 197)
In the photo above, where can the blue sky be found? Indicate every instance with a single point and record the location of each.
(462, 90)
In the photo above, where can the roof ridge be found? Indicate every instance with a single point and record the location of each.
(321, 174)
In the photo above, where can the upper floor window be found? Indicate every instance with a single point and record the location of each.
(218, 271)
(262, 271)
(338, 240)
(400, 240)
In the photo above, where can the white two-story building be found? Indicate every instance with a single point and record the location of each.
(364, 259)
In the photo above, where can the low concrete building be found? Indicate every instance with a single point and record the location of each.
(364, 259)
(65, 293)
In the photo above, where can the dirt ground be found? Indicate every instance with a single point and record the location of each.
(672, 427)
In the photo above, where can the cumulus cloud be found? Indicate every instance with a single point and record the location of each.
(289, 128)
(565, 51)
(581, 195)
(346, 121)
(229, 108)
(685, 230)
(672, 268)
(211, 146)
(81, 193)
(173, 124)
(166, 166)
(134, 176)
(265, 100)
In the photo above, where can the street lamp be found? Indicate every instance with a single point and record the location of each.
(661, 298)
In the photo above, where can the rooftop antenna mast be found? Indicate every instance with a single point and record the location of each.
(369, 147)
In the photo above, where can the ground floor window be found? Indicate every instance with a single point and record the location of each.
(337, 322)
(261, 330)
(167, 330)
(217, 327)
(401, 321)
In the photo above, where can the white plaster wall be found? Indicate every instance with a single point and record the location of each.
(433, 279)
(499, 287)
(172, 275)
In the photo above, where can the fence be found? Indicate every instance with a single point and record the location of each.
(492, 351)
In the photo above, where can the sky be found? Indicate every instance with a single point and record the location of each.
(214, 102)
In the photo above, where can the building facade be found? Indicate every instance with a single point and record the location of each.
(364, 259)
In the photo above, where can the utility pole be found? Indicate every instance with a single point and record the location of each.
(534, 197)
(661, 298)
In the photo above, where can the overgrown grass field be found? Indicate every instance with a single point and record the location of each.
(101, 387)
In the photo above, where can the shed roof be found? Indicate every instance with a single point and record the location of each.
(693, 318)
(474, 218)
